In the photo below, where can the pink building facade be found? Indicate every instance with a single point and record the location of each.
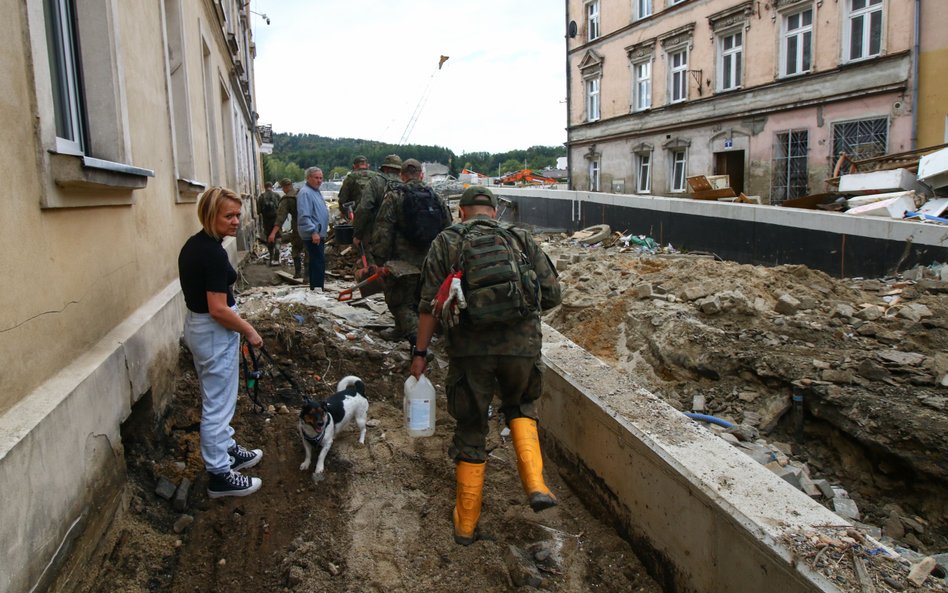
(769, 93)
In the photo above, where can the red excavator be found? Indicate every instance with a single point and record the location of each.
(525, 177)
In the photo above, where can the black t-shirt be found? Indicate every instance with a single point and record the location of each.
(203, 267)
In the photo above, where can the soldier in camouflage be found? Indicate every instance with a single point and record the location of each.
(267, 205)
(356, 183)
(507, 355)
(390, 243)
(288, 208)
(371, 199)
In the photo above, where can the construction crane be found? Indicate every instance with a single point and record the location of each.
(421, 103)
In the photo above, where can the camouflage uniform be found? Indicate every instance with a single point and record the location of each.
(288, 208)
(369, 204)
(267, 206)
(509, 353)
(355, 185)
(388, 243)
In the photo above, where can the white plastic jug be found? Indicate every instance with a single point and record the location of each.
(419, 407)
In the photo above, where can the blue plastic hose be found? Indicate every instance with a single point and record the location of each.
(710, 419)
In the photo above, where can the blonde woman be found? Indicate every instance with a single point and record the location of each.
(212, 330)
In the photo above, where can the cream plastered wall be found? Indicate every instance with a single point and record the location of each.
(933, 75)
(72, 274)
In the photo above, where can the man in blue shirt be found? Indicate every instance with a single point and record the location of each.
(314, 223)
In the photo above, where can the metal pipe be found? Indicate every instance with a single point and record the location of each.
(915, 50)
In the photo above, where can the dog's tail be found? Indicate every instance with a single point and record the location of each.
(353, 382)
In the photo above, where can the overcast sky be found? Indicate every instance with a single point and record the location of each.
(360, 69)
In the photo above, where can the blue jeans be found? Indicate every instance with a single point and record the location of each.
(216, 353)
(317, 263)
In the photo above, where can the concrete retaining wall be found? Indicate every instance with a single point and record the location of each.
(701, 515)
(838, 244)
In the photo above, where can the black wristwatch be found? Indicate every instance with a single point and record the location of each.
(421, 353)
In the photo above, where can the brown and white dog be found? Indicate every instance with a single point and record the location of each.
(321, 421)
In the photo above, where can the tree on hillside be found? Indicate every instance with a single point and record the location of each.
(338, 173)
(510, 165)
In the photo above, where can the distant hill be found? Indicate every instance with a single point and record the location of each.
(293, 153)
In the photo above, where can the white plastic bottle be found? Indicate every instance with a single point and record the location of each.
(419, 407)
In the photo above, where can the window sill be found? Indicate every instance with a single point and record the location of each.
(87, 181)
(189, 190)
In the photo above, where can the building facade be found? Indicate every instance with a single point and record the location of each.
(117, 114)
(769, 93)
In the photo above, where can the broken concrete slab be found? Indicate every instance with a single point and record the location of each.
(894, 207)
(933, 168)
(893, 180)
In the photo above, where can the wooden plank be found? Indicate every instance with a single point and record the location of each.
(714, 194)
(287, 277)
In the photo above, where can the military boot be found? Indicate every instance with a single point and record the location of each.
(526, 443)
(467, 504)
(297, 267)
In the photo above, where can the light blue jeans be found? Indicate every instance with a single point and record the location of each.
(216, 353)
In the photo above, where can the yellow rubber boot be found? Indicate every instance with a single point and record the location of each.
(467, 504)
(526, 443)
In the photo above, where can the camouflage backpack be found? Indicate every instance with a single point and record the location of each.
(424, 218)
(498, 279)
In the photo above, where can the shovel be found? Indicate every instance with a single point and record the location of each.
(375, 280)
(395, 268)
(364, 273)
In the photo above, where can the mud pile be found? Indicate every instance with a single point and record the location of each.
(867, 357)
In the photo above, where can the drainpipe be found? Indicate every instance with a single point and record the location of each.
(569, 151)
(918, 33)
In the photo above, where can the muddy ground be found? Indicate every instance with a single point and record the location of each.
(684, 326)
(380, 519)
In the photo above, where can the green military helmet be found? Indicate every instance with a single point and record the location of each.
(360, 160)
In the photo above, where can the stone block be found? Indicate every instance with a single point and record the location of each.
(843, 310)
(845, 508)
(180, 503)
(869, 313)
(787, 305)
(825, 488)
(643, 290)
(165, 488)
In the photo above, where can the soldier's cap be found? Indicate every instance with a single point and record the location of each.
(411, 166)
(478, 195)
(392, 161)
(285, 181)
(359, 160)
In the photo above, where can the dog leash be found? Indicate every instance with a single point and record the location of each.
(252, 376)
(253, 373)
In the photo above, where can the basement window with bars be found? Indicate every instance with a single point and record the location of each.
(790, 166)
(860, 139)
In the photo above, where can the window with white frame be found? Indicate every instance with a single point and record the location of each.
(592, 20)
(730, 60)
(862, 34)
(678, 166)
(790, 176)
(643, 172)
(643, 8)
(594, 175)
(674, 2)
(592, 99)
(796, 47)
(678, 75)
(62, 41)
(642, 86)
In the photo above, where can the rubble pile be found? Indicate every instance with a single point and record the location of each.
(864, 360)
